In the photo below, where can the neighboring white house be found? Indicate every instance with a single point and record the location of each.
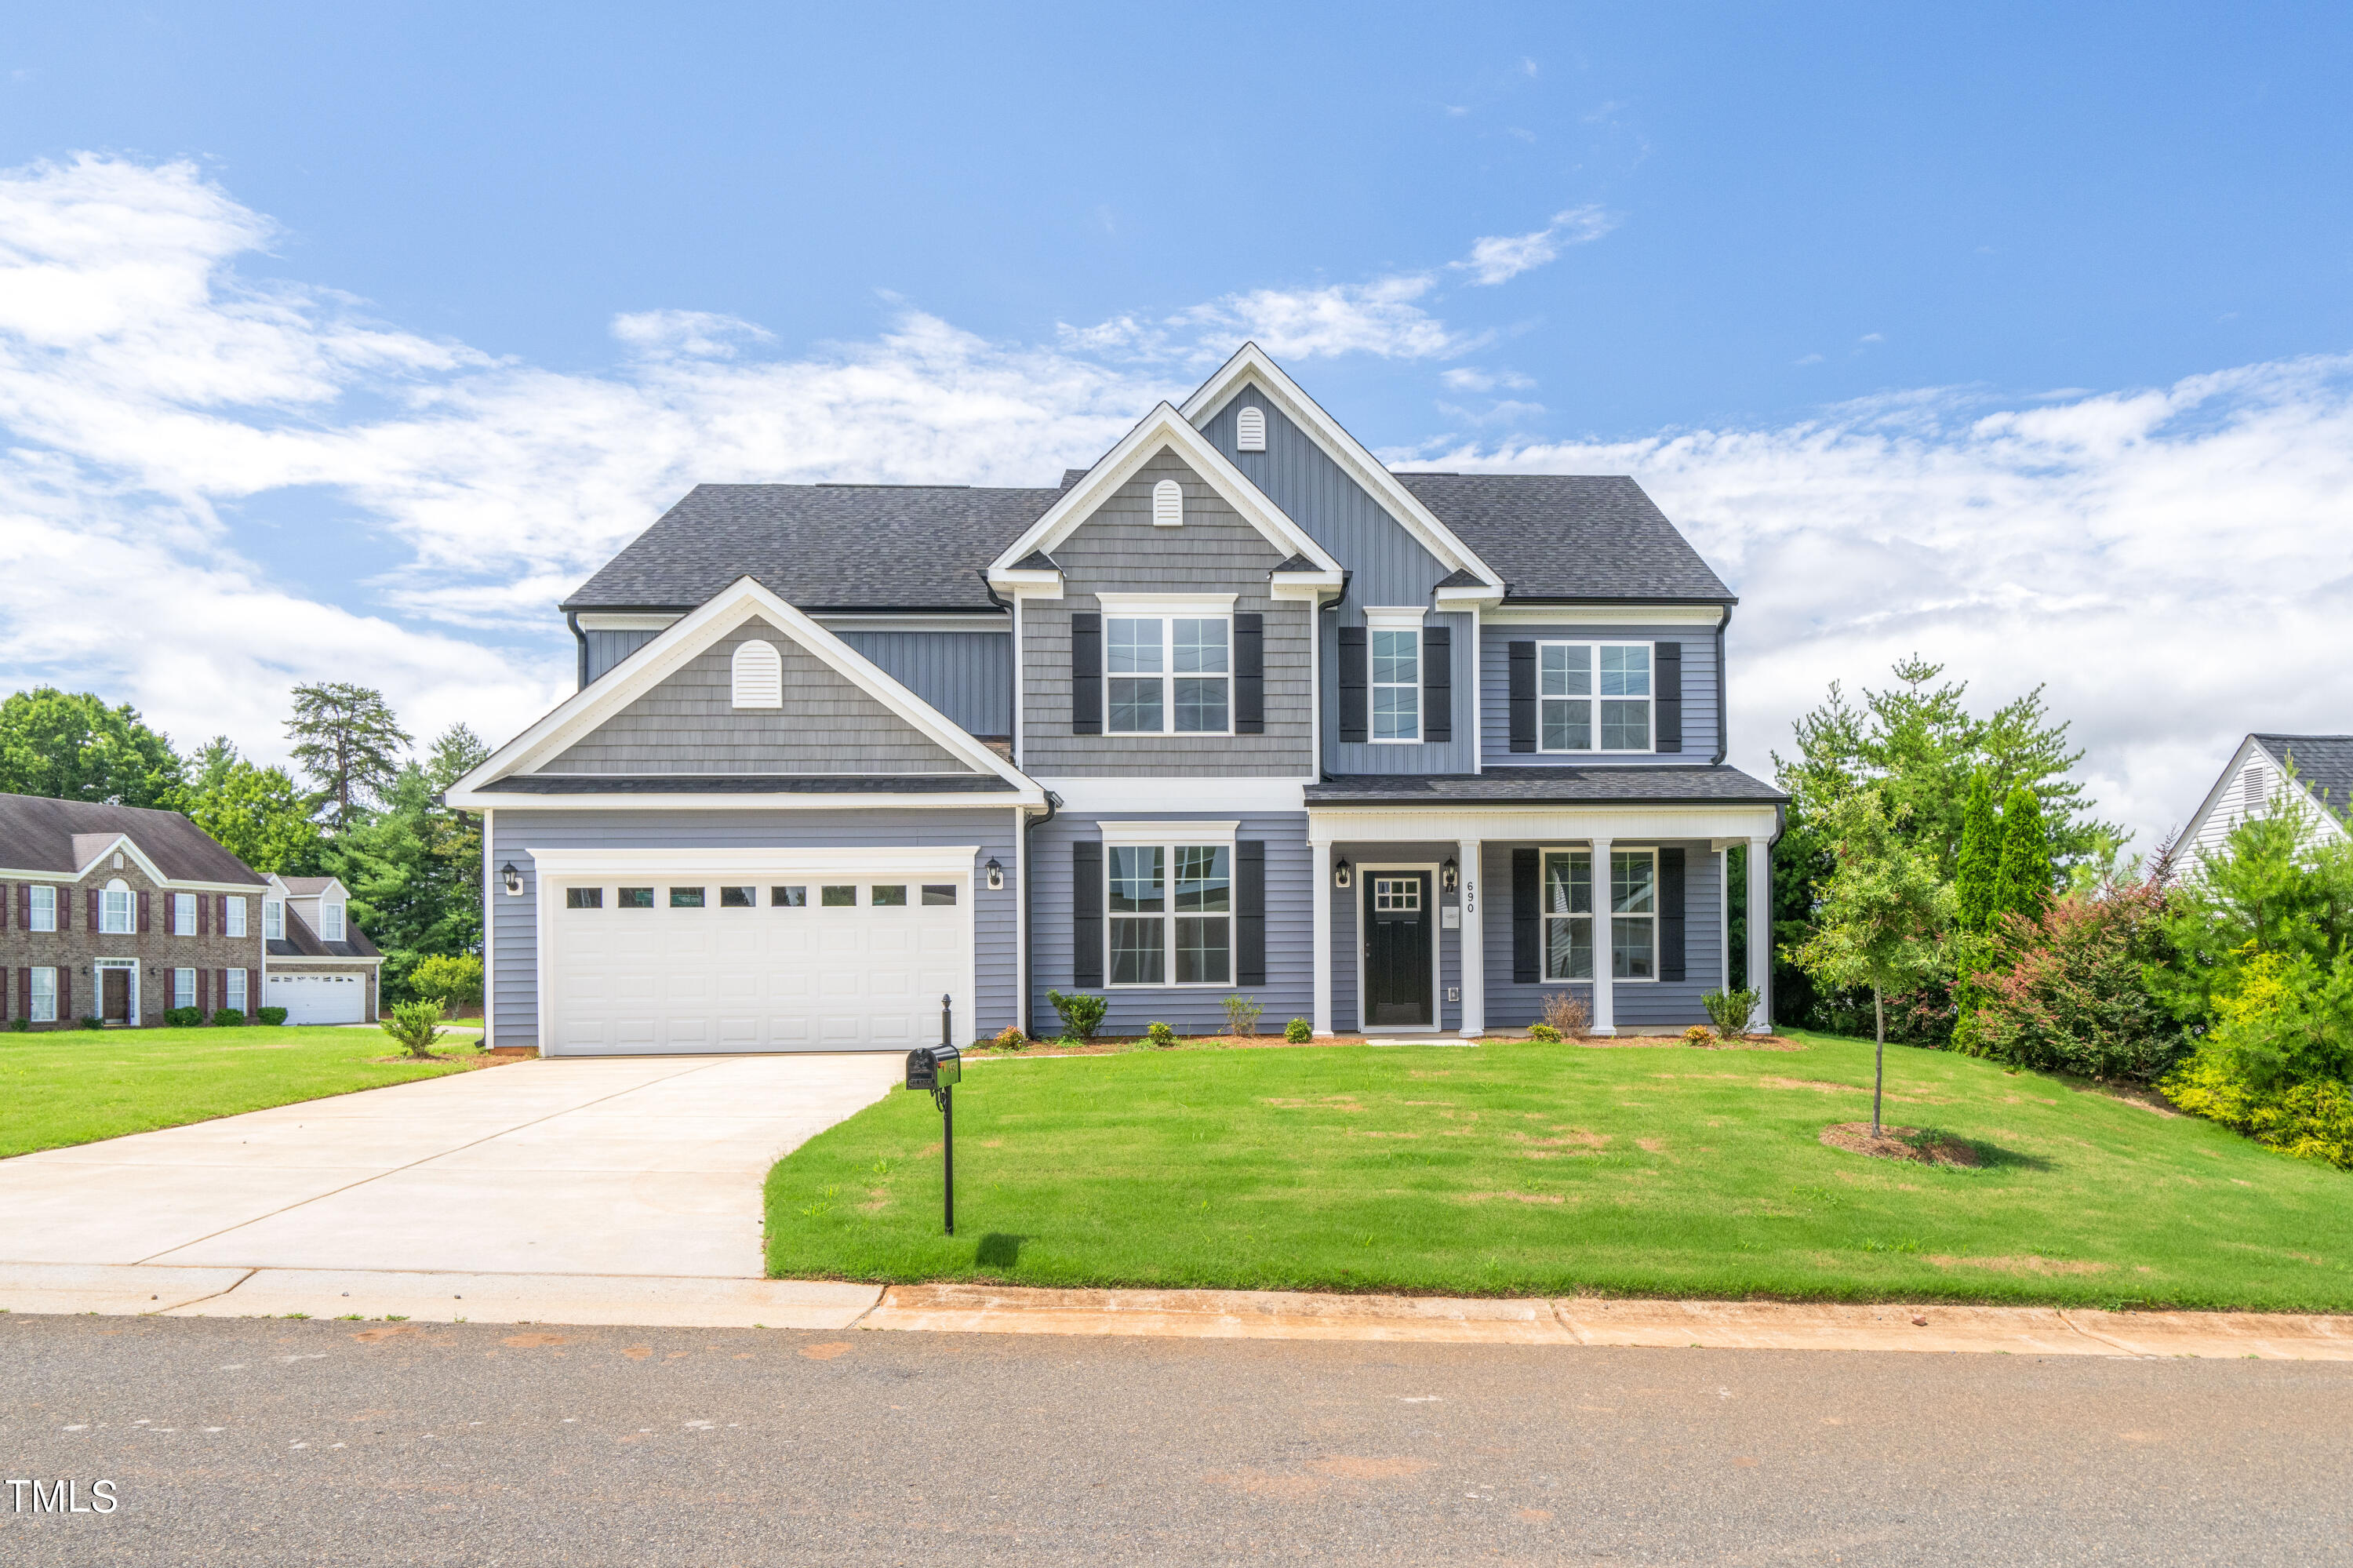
(2322, 764)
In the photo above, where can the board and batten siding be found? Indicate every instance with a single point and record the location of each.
(1701, 677)
(1190, 1010)
(688, 724)
(607, 648)
(515, 919)
(1643, 1005)
(967, 675)
(1387, 565)
(1347, 944)
(1119, 550)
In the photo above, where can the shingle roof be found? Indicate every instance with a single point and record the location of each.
(302, 942)
(1547, 786)
(1568, 537)
(40, 834)
(2322, 764)
(819, 547)
(306, 886)
(748, 784)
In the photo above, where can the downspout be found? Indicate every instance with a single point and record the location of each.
(1722, 733)
(572, 619)
(1053, 805)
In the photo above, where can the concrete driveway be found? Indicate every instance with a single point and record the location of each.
(629, 1166)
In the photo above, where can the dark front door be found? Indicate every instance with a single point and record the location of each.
(115, 1003)
(1397, 949)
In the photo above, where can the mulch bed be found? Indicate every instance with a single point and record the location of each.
(1656, 1042)
(1106, 1045)
(1902, 1143)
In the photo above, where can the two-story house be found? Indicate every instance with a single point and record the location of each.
(1237, 709)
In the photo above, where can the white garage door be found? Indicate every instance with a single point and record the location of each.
(318, 999)
(690, 963)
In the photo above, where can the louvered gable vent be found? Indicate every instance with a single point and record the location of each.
(1168, 504)
(1250, 430)
(759, 675)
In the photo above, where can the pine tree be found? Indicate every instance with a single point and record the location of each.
(346, 739)
(2022, 885)
(1980, 858)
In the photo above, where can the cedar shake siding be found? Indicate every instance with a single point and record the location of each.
(688, 724)
(1119, 550)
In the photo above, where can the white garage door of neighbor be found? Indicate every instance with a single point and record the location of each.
(318, 999)
(859, 964)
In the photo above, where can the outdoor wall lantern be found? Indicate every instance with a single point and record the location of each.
(996, 875)
(512, 878)
(1340, 873)
(1450, 874)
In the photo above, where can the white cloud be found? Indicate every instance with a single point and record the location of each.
(1383, 317)
(1500, 257)
(1462, 378)
(697, 334)
(2172, 562)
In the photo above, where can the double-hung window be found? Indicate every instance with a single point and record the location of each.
(45, 910)
(1568, 915)
(233, 999)
(273, 919)
(1397, 684)
(1170, 667)
(331, 921)
(114, 910)
(1593, 696)
(183, 915)
(45, 996)
(184, 988)
(1171, 913)
(233, 916)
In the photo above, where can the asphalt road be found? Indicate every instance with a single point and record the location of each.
(269, 1441)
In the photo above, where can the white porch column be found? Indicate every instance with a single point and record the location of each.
(1605, 997)
(1474, 947)
(1320, 849)
(1760, 932)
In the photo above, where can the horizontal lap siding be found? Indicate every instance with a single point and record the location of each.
(1700, 677)
(1118, 550)
(1347, 946)
(1662, 1004)
(515, 919)
(1290, 931)
(967, 675)
(688, 724)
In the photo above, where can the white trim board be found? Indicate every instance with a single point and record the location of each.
(915, 861)
(1178, 794)
(579, 715)
(1538, 824)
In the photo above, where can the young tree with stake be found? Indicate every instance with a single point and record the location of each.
(1880, 917)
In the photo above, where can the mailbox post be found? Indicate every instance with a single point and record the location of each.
(939, 1070)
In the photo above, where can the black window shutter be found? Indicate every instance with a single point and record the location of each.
(1086, 913)
(1527, 924)
(1438, 684)
(1249, 911)
(1667, 670)
(1354, 678)
(1086, 675)
(1249, 674)
(1523, 696)
(1671, 914)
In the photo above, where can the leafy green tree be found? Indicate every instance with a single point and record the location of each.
(257, 814)
(211, 764)
(455, 981)
(69, 746)
(346, 739)
(2272, 889)
(1880, 918)
(2022, 885)
(1980, 857)
(456, 752)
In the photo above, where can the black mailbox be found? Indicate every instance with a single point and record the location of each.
(934, 1068)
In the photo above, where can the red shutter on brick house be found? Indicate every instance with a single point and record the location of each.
(201, 913)
(204, 992)
(144, 904)
(65, 993)
(93, 912)
(24, 906)
(220, 913)
(4, 926)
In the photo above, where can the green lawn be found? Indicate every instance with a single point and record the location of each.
(73, 1085)
(1517, 1168)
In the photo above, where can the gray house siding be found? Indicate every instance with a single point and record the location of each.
(967, 675)
(607, 648)
(1701, 678)
(1347, 948)
(1118, 550)
(1387, 565)
(1290, 929)
(515, 919)
(688, 724)
(1645, 1005)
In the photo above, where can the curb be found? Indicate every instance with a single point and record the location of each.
(643, 1301)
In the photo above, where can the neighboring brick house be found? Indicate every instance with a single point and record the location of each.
(121, 912)
(322, 967)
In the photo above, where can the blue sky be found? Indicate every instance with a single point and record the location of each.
(385, 326)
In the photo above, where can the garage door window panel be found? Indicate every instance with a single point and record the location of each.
(787, 898)
(939, 896)
(739, 898)
(889, 895)
(637, 899)
(838, 898)
(583, 898)
(686, 897)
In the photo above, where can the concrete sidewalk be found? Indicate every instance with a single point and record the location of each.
(717, 1302)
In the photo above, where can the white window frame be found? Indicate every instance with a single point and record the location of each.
(45, 910)
(1392, 620)
(755, 675)
(235, 996)
(44, 1009)
(184, 904)
(233, 916)
(1600, 894)
(109, 911)
(1168, 609)
(1168, 838)
(331, 921)
(273, 919)
(1649, 701)
(184, 988)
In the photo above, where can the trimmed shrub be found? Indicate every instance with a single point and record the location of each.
(2311, 1121)
(1700, 1034)
(273, 1016)
(2068, 989)
(415, 1026)
(93, 1021)
(1160, 1034)
(1242, 1015)
(1731, 1010)
(182, 1017)
(1011, 1038)
(1082, 1014)
(1544, 1033)
(21, 1025)
(1299, 1032)
(227, 1018)
(454, 981)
